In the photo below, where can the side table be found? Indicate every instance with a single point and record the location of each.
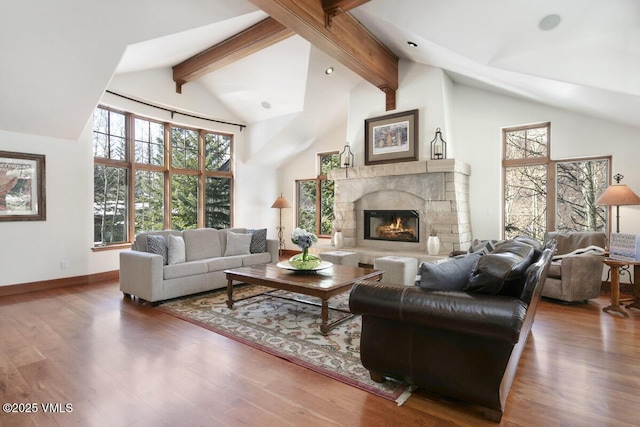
(615, 265)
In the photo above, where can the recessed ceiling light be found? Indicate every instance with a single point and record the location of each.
(328, 70)
(412, 44)
(265, 105)
(549, 22)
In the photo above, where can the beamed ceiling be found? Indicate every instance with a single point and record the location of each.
(259, 60)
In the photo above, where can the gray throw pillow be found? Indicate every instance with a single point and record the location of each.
(176, 253)
(483, 246)
(238, 244)
(258, 240)
(451, 275)
(158, 245)
(501, 271)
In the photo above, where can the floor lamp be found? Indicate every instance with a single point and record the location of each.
(280, 204)
(618, 195)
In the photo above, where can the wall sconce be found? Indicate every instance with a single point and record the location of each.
(438, 147)
(347, 158)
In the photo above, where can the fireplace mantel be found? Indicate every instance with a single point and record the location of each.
(403, 168)
(437, 188)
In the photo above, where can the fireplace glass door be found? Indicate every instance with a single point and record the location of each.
(392, 225)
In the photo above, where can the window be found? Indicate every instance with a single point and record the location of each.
(110, 177)
(315, 197)
(153, 176)
(535, 185)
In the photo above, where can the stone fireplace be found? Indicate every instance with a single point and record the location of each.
(433, 196)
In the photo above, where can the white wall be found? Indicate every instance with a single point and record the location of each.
(420, 87)
(478, 118)
(33, 251)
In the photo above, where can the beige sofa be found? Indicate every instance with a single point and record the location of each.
(193, 260)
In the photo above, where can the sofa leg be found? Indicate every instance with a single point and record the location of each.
(492, 414)
(126, 295)
(377, 377)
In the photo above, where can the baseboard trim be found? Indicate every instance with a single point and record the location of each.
(23, 288)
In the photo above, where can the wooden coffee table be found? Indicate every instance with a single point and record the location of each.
(322, 284)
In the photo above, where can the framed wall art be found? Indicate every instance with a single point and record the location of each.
(22, 187)
(392, 138)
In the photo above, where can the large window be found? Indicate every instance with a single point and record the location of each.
(315, 197)
(153, 176)
(541, 194)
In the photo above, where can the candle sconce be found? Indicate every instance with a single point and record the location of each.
(438, 147)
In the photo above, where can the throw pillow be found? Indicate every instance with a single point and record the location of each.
(238, 244)
(258, 240)
(158, 245)
(483, 246)
(502, 271)
(451, 275)
(176, 253)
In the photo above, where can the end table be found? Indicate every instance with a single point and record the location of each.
(615, 266)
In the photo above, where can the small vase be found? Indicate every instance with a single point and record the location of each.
(338, 239)
(304, 261)
(433, 245)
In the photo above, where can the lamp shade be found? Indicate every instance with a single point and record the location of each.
(618, 195)
(281, 203)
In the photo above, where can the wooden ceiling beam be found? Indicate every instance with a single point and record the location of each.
(263, 34)
(346, 40)
(333, 8)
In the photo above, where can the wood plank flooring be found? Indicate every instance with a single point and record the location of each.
(120, 363)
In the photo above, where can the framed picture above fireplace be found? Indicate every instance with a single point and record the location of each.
(392, 138)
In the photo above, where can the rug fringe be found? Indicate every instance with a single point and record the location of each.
(405, 395)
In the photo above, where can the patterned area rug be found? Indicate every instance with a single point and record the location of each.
(288, 329)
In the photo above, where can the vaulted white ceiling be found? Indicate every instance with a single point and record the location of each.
(59, 57)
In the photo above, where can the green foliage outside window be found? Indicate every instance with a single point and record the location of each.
(115, 209)
(217, 204)
(149, 201)
(110, 205)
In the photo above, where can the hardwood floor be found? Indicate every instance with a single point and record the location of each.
(120, 363)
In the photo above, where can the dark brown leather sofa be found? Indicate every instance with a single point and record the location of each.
(463, 344)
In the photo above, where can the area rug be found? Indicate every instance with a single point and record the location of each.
(288, 329)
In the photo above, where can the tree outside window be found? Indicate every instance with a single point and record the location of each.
(315, 197)
(150, 175)
(535, 186)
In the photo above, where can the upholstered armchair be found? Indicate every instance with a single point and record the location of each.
(575, 274)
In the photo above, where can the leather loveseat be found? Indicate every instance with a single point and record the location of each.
(461, 330)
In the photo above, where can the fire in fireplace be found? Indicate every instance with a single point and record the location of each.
(393, 225)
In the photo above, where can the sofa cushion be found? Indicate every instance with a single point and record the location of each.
(253, 259)
(238, 244)
(158, 245)
(555, 269)
(176, 250)
(184, 269)
(202, 243)
(502, 271)
(451, 275)
(258, 240)
(223, 263)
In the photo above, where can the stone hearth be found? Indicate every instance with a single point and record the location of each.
(437, 189)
